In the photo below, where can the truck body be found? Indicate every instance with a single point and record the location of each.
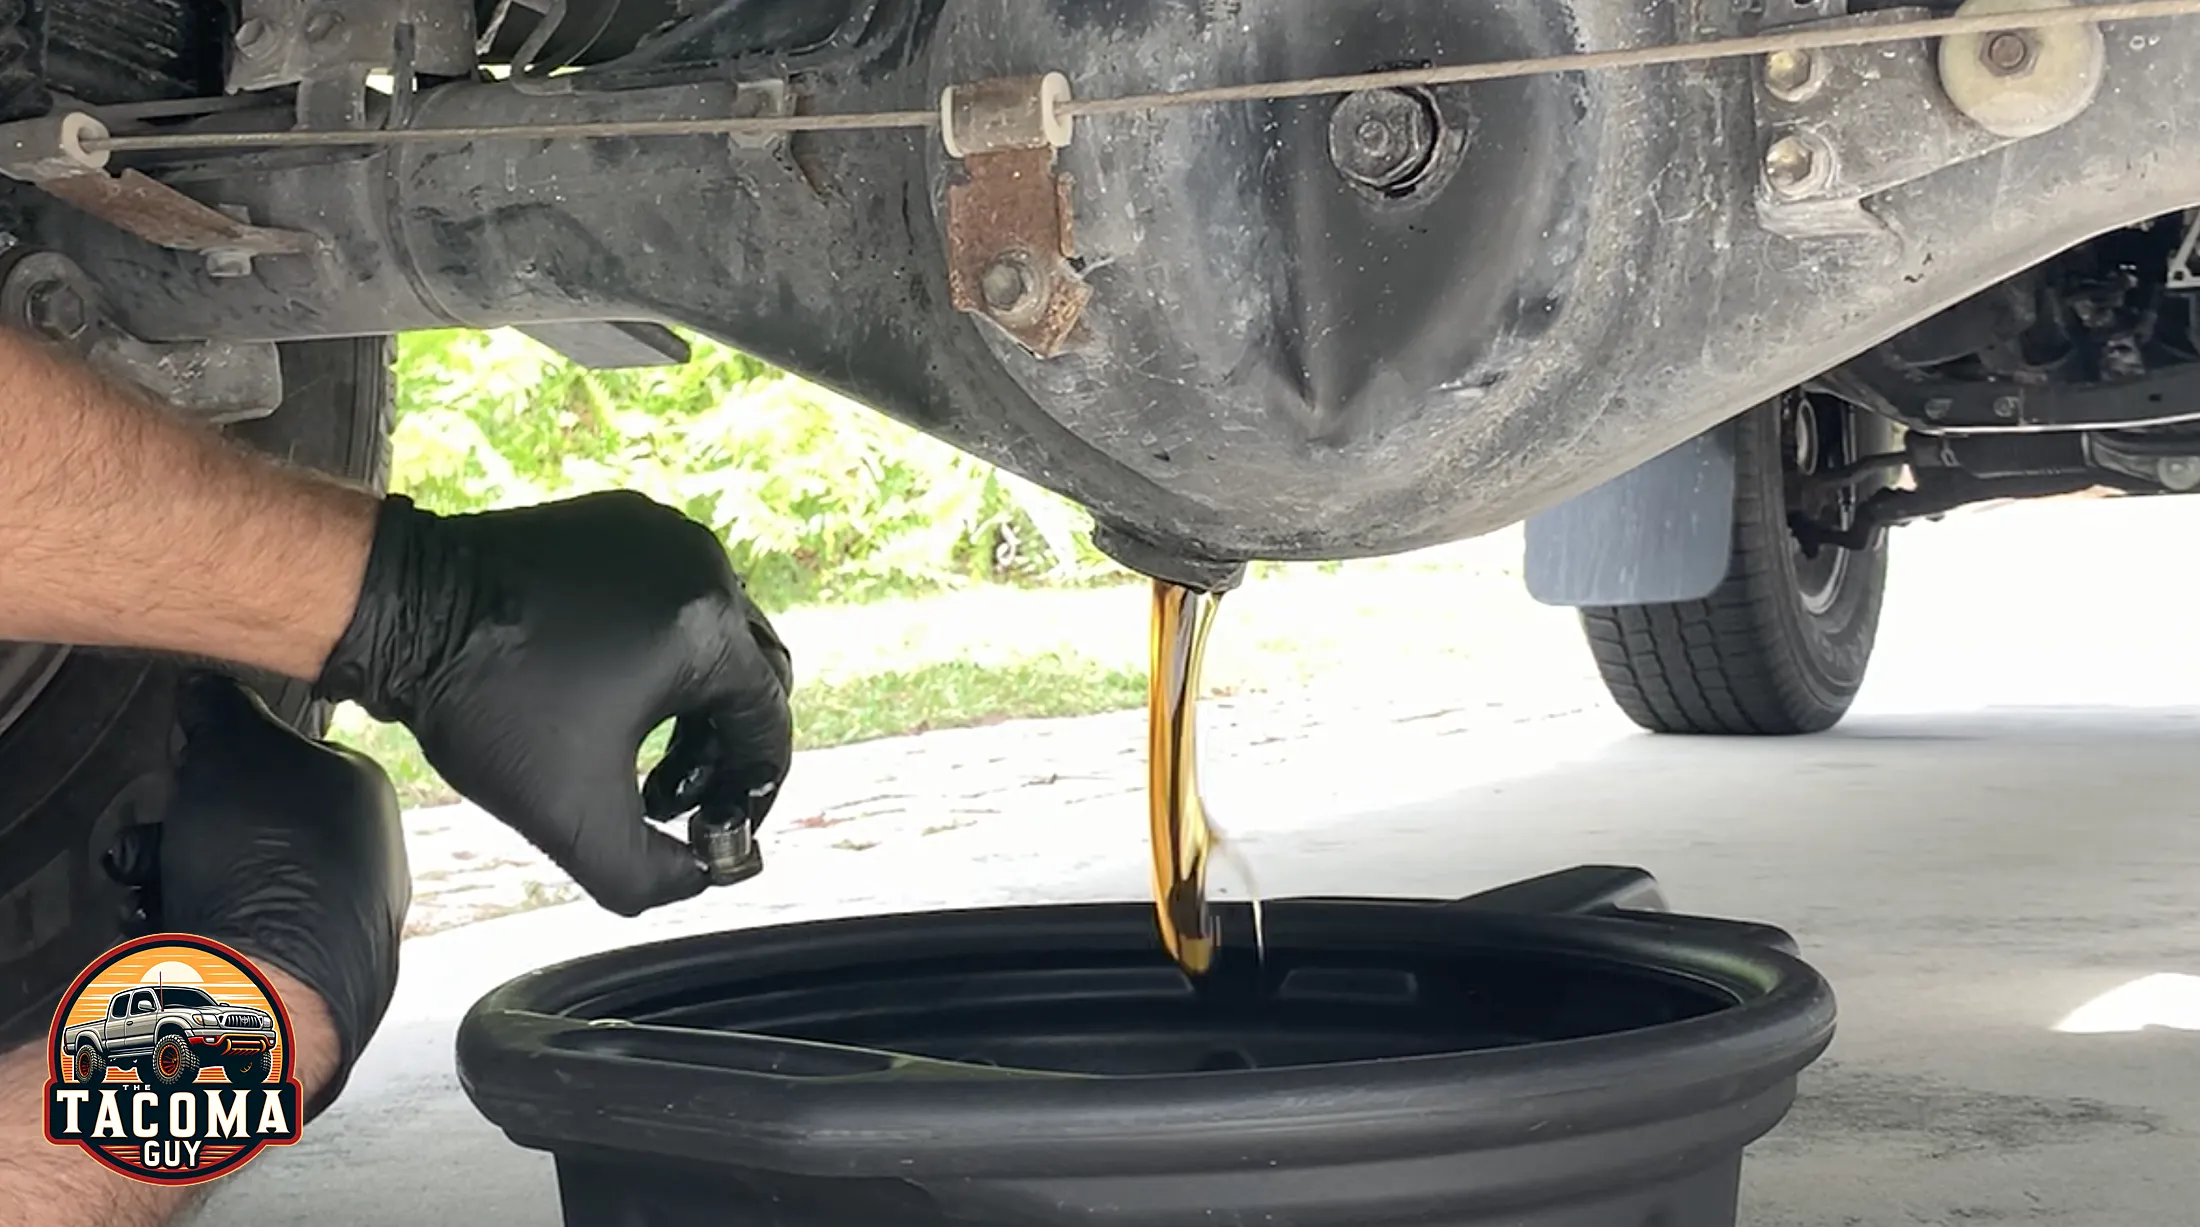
(139, 1020)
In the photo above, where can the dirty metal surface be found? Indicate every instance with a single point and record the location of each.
(161, 215)
(283, 42)
(214, 382)
(1012, 209)
(211, 381)
(1877, 116)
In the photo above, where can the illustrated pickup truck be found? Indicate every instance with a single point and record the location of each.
(168, 1034)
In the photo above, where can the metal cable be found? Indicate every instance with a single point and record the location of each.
(765, 125)
(1808, 38)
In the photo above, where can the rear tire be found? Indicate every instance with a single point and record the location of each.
(89, 1066)
(92, 753)
(1780, 647)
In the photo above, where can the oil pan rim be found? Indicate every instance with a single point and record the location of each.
(823, 1110)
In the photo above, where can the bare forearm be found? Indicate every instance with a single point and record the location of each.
(122, 526)
(43, 1185)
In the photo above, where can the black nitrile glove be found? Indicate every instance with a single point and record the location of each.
(289, 850)
(532, 650)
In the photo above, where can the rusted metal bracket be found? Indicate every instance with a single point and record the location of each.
(160, 214)
(1010, 238)
(49, 153)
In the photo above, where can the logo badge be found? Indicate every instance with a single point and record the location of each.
(171, 1062)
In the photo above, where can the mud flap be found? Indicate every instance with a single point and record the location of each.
(1662, 531)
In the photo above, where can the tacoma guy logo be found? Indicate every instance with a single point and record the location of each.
(171, 1062)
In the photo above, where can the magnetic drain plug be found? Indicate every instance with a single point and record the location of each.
(726, 844)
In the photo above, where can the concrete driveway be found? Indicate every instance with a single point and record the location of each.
(2005, 835)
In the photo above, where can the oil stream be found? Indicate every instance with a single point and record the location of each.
(1183, 837)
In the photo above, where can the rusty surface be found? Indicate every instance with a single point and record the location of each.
(160, 214)
(1012, 205)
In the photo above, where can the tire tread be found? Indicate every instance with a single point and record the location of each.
(1722, 664)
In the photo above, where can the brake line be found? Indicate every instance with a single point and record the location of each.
(1809, 38)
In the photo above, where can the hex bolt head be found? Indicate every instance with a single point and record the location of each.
(2179, 472)
(251, 37)
(1009, 284)
(2007, 54)
(1792, 75)
(322, 24)
(56, 310)
(1383, 139)
(726, 846)
(1797, 164)
(2007, 407)
(226, 265)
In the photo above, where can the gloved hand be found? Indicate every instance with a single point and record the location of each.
(532, 650)
(289, 850)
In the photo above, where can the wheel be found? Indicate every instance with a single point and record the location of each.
(1781, 645)
(90, 1066)
(248, 1070)
(87, 740)
(174, 1065)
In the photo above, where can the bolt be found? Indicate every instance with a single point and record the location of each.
(251, 38)
(323, 24)
(228, 264)
(726, 845)
(1383, 139)
(2006, 407)
(1008, 284)
(1790, 75)
(55, 309)
(1796, 165)
(2179, 472)
(2007, 54)
(1939, 407)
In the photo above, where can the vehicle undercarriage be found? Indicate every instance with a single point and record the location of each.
(1295, 341)
(1863, 275)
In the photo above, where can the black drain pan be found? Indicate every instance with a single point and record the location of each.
(1557, 1053)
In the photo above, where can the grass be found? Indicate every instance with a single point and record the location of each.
(986, 655)
(889, 703)
(959, 694)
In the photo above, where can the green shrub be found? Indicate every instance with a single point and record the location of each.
(817, 498)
